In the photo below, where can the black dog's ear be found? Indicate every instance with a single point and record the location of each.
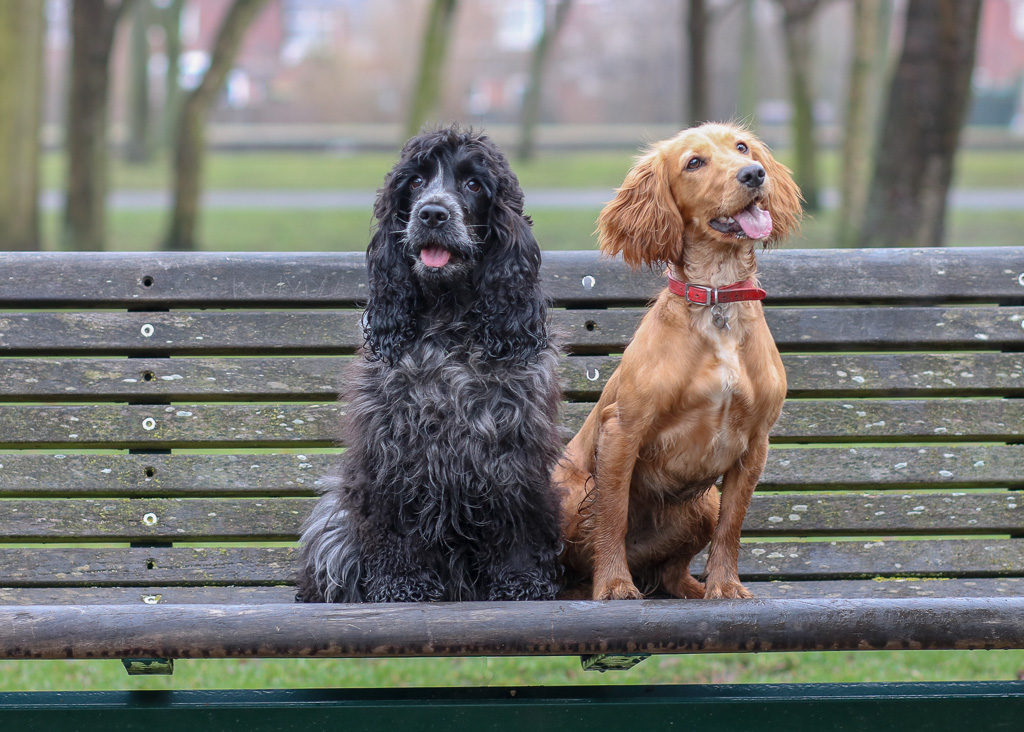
(509, 306)
(389, 322)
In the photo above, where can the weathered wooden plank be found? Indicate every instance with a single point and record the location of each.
(816, 328)
(162, 475)
(158, 426)
(264, 475)
(582, 377)
(282, 594)
(327, 332)
(284, 279)
(759, 561)
(851, 374)
(484, 628)
(836, 468)
(154, 519)
(317, 425)
(869, 420)
(280, 519)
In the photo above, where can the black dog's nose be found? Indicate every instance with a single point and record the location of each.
(433, 215)
(752, 176)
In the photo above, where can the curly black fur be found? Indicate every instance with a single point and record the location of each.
(445, 489)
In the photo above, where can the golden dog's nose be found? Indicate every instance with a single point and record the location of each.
(751, 176)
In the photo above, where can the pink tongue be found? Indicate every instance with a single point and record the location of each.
(439, 256)
(756, 222)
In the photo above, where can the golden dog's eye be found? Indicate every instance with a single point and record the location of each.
(694, 163)
(415, 182)
(742, 147)
(473, 185)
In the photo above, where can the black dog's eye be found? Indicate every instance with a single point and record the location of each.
(415, 182)
(694, 163)
(742, 147)
(473, 185)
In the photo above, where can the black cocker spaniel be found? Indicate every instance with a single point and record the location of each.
(445, 490)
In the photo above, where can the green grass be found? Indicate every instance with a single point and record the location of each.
(349, 230)
(881, 666)
(591, 169)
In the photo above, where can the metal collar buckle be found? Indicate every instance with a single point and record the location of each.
(710, 294)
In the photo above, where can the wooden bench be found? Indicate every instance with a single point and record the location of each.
(165, 419)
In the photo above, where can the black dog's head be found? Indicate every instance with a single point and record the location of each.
(451, 228)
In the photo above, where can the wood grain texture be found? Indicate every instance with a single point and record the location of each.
(271, 474)
(280, 519)
(509, 629)
(283, 594)
(310, 378)
(759, 561)
(163, 475)
(285, 279)
(334, 332)
(318, 425)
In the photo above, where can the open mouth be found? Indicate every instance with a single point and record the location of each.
(753, 222)
(435, 256)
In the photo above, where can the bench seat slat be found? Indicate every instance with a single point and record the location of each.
(819, 468)
(281, 279)
(280, 519)
(584, 331)
(227, 565)
(509, 629)
(977, 587)
(582, 377)
(316, 425)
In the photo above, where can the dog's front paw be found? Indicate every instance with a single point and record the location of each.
(617, 589)
(523, 587)
(424, 588)
(728, 590)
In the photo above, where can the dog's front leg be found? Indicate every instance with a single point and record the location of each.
(394, 571)
(616, 455)
(738, 484)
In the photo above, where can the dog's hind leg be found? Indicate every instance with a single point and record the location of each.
(695, 524)
(329, 566)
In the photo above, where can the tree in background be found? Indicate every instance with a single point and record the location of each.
(93, 23)
(925, 112)
(138, 145)
(426, 91)
(553, 24)
(190, 137)
(863, 86)
(698, 25)
(750, 58)
(169, 18)
(797, 27)
(21, 83)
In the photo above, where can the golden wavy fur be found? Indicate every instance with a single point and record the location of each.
(690, 402)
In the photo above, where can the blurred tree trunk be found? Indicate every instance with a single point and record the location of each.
(92, 35)
(21, 82)
(538, 67)
(797, 32)
(750, 57)
(925, 112)
(190, 139)
(170, 20)
(859, 122)
(138, 147)
(698, 26)
(426, 91)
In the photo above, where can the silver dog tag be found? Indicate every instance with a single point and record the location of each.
(719, 317)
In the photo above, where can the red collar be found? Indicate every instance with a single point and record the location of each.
(701, 295)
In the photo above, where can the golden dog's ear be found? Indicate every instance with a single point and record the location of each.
(785, 203)
(642, 221)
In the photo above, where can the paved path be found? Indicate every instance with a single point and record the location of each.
(539, 198)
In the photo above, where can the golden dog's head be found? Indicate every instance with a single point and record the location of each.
(715, 184)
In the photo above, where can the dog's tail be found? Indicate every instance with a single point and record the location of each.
(330, 566)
